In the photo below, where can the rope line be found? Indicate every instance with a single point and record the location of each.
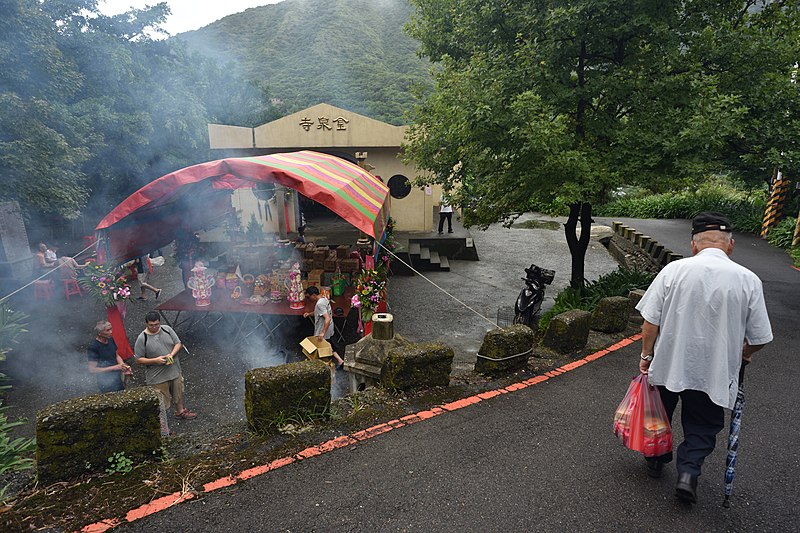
(437, 286)
(4, 298)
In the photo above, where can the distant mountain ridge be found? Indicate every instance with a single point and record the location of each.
(349, 53)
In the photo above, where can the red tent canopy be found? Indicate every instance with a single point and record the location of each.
(198, 197)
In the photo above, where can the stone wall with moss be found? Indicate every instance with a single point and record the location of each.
(274, 396)
(505, 350)
(568, 331)
(417, 366)
(78, 436)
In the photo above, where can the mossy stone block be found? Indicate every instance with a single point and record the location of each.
(78, 436)
(274, 395)
(417, 366)
(496, 354)
(611, 314)
(568, 331)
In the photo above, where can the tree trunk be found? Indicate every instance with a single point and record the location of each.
(577, 246)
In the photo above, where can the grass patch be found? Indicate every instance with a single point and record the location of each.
(538, 224)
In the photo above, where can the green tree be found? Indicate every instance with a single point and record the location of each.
(552, 101)
(92, 107)
(42, 143)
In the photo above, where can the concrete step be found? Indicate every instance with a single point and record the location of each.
(444, 264)
(425, 253)
(434, 259)
(414, 248)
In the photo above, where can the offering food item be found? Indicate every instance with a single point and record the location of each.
(654, 427)
(170, 360)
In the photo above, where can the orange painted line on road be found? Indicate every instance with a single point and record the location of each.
(411, 419)
(220, 483)
(101, 526)
(157, 505)
(346, 440)
(536, 379)
(338, 442)
(596, 355)
(311, 451)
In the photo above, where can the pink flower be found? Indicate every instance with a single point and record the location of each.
(104, 292)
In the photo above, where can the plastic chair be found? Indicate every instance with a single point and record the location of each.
(43, 290)
(71, 287)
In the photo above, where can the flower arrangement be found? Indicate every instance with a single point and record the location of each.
(108, 285)
(370, 286)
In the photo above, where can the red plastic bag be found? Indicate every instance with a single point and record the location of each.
(641, 422)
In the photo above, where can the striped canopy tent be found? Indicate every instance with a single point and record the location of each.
(198, 197)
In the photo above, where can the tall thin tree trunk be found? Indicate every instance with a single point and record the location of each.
(578, 211)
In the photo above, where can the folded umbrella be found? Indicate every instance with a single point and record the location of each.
(733, 438)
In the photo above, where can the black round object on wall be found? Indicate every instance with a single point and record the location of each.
(399, 186)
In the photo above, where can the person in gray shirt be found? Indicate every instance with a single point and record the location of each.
(157, 348)
(323, 322)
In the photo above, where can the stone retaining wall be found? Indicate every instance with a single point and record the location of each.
(634, 249)
(505, 350)
(417, 366)
(272, 396)
(78, 436)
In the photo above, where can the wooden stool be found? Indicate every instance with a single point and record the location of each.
(43, 290)
(71, 287)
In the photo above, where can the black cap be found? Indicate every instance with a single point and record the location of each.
(710, 220)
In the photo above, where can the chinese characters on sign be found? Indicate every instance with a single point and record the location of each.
(325, 123)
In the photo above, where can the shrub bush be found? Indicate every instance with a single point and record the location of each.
(794, 253)
(13, 452)
(745, 208)
(781, 235)
(617, 283)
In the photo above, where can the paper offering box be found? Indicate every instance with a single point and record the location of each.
(314, 349)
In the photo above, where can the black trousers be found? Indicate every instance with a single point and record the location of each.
(449, 217)
(701, 420)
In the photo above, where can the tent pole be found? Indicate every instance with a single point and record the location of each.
(280, 202)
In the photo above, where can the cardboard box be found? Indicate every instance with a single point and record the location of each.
(349, 265)
(307, 265)
(331, 262)
(316, 349)
(315, 277)
(308, 252)
(342, 251)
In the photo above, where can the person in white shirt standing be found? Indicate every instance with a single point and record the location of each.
(704, 316)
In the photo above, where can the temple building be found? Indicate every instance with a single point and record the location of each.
(375, 145)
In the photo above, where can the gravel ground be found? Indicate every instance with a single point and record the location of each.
(49, 365)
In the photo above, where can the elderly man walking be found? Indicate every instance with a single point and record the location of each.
(157, 348)
(703, 316)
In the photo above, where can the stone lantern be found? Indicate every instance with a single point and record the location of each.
(364, 360)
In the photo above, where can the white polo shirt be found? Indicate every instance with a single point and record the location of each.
(706, 306)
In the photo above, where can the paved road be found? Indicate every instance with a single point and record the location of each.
(539, 459)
